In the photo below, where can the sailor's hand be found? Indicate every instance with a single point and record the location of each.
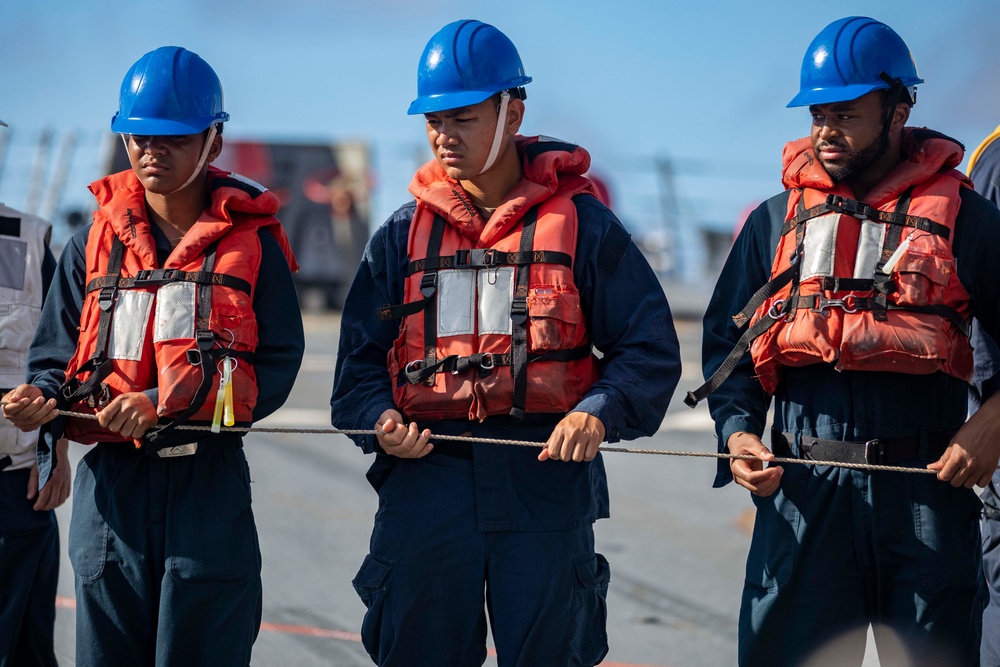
(26, 408)
(129, 415)
(752, 474)
(576, 437)
(398, 439)
(971, 458)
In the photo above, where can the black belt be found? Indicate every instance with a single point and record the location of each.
(454, 448)
(879, 451)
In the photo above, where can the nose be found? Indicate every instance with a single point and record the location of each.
(445, 136)
(152, 144)
(827, 131)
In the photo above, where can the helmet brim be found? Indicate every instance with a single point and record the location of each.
(832, 95)
(164, 127)
(446, 101)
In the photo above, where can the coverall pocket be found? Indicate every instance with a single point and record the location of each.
(949, 544)
(372, 586)
(590, 610)
(775, 543)
(88, 529)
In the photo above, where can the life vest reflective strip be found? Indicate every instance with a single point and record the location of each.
(490, 331)
(143, 326)
(23, 239)
(901, 308)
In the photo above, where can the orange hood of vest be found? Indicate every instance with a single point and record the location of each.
(544, 175)
(924, 158)
(120, 193)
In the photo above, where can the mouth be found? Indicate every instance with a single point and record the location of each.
(451, 158)
(155, 168)
(831, 152)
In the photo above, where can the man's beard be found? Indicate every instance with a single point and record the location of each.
(857, 161)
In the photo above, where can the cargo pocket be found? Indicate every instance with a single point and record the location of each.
(88, 530)
(372, 586)
(590, 610)
(555, 314)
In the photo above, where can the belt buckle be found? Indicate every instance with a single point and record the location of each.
(179, 450)
(874, 452)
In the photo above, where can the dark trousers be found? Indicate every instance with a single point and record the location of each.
(166, 559)
(990, 655)
(29, 574)
(431, 578)
(835, 550)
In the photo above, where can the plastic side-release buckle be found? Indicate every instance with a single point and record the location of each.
(519, 311)
(428, 285)
(106, 298)
(205, 340)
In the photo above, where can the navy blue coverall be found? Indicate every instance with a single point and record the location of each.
(29, 562)
(164, 550)
(985, 175)
(836, 549)
(473, 516)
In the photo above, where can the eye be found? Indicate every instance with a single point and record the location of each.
(140, 138)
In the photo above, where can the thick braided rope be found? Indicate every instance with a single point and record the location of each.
(539, 445)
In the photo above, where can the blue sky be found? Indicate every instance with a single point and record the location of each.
(703, 83)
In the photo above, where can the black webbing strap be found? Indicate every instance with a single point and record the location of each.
(862, 211)
(485, 362)
(479, 258)
(428, 287)
(156, 277)
(204, 356)
(800, 235)
(832, 284)
(519, 318)
(882, 285)
(729, 364)
(764, 293)
(98, 365)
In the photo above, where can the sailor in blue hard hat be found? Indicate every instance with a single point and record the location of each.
(853, 290)
(475, 313)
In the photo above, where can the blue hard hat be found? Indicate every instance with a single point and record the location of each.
(464, 63)
(169, 91)
(847, 60)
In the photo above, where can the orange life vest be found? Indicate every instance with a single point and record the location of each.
(491, 319)
(171, 327)
(869, 285)
(875, 287)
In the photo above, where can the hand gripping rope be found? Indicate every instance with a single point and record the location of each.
(537, 445)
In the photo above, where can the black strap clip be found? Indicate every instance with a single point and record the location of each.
(852, 207)
(428, 284)
(519, 311)
(106, 298)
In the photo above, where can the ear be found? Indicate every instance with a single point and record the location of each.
(216, 148)
(515, 114)
(900, 116)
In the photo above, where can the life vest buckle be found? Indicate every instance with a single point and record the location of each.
(106, 298)
(852, 207)
(414, 366)
(849, 304)
(775, 312)
(428, 284)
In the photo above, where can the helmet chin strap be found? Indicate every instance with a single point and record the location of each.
(201, 161)
(498, 135)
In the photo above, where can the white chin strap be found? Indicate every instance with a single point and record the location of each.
(201, 161)
(498, 135)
